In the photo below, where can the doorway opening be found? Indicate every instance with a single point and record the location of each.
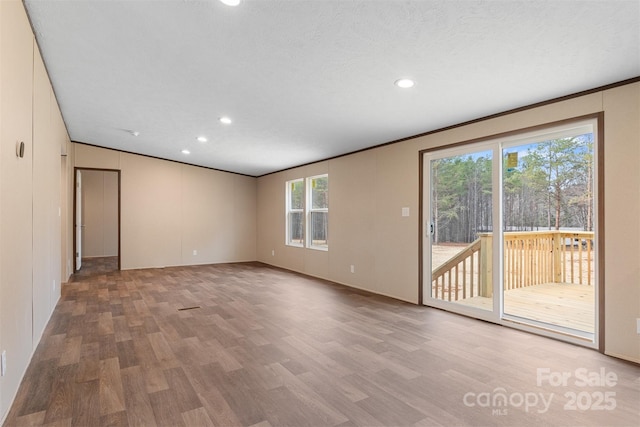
(96, 217)
(511, 230)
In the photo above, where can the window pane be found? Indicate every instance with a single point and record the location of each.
(296, 195)
(319, 228)
(320, 192)
(296, 227)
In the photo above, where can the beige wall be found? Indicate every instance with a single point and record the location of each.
(100, 213)
(30, 197)
(622, 221)
(169, 210)
(66, 208)
(369, 189)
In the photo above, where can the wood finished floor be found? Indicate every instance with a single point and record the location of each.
(268, 347)
(564, 304)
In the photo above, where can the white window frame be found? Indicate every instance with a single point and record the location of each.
(289, 211)
(310, 209)
(306, 211)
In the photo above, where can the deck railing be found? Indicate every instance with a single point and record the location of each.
(530, 258)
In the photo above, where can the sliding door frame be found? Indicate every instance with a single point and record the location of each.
(599, 209)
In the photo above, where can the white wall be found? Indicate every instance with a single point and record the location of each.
(368, 190)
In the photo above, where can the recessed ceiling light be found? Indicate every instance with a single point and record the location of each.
(231, 2)
(404, 83)
(202, 138)
(186, 152)
(225, 120)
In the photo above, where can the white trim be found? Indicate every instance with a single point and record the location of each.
(310, 210)
(288, 210)
(497, 145)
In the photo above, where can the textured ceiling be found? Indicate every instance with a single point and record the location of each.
(308, 80)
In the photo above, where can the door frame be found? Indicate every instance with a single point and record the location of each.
(599, 209)
(75, 177)
(495, 313)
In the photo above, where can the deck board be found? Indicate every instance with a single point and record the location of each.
(567, 305)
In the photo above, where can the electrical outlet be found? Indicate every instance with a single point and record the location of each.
(273, 252)
(195, 252)
(638, 326)
(353, 268)
(54, 284)
(3, 364)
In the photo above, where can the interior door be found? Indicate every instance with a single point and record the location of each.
(78, 223)
(458, 213)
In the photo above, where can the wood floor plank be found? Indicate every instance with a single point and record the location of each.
(111, 392)
(71, 353)
(126, 354)
(197, 417)
(271, 348)
(39, 386)
(186, 397)
(165, 409)
(162, 350)
(85, 405)
(121, 329)
(114, 419)
(33, 419)
(139, 411)
(58, 407)
(214, 403)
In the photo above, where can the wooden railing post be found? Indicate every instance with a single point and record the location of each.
(486, 264)
(558, 241)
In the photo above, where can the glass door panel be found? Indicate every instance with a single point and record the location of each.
(459, 229)
(548, 233)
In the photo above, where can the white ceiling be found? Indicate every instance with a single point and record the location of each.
(308, 80)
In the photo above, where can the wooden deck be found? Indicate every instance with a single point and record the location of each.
(568, 305)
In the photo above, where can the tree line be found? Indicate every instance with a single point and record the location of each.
(548, 187)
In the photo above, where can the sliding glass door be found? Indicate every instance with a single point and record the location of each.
(509, 230)
(549, 251)
(459, 220)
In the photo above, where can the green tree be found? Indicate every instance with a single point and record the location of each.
(560, 162)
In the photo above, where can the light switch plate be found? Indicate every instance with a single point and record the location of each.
(405, 211)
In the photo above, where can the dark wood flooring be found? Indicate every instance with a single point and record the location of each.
(246, 344)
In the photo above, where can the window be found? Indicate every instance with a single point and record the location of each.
(295, 212)
(318, 212)
(307, 213)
